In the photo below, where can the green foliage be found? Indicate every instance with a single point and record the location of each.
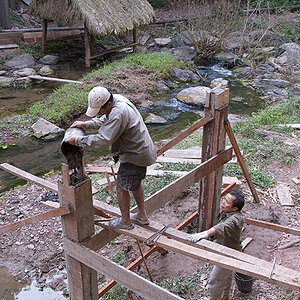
(69, 99)
(15, 18)
(35, 49)
(162, 63)
(184, 167)
(157, 3)
(289, 31)
(117, 292)
(119, 257)
(192, 140)
(273, 3)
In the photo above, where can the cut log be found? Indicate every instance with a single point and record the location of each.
(284, 194)
(296, 180)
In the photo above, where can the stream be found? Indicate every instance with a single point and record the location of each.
(38, 157)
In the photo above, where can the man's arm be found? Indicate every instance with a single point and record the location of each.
(202, 235)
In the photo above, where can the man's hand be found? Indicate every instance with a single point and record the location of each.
(71, 140)
(198, 236)
(78, 124)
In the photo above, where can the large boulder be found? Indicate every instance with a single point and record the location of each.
(184, 75)
(45, 129)
(162, 42)
(290, 53)
(45, 70)
(219, 82)
(194, 95)
(24, 72)
(5, 81)
(185, 53)
(20, 62)
(49, 59)
(155, 119)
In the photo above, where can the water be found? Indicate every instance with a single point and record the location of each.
(17, 288)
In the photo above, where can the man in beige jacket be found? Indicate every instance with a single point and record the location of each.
(121, 128)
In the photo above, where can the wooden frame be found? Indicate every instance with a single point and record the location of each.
(81, 243)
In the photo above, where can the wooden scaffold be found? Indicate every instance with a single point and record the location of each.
(77, 208)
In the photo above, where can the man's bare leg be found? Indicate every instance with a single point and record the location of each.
(124, 204)
(140, 201)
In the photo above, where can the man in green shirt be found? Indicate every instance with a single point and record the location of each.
(227, 233)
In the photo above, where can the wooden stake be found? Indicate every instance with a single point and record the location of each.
(78, 226)
(87, 47)
(134, 38)
(44, 36)
(241, 161)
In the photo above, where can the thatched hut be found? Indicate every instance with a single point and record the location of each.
(100, 17)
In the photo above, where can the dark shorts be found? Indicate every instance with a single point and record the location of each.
(130, 176)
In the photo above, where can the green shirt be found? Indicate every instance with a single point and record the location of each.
(228, 230)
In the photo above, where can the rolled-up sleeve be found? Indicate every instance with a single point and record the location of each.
(109, 131)
(95, 123)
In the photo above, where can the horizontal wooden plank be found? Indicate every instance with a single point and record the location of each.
(60, 211)
(38, 77)
(184, 134)
(9, 46)
(203, 244)
(288, 279)
(272, 226)
(29, 177)
(129, 279)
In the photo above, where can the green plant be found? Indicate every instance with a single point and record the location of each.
(157, 3)
(119, 257)
(15, 18)
(118, 292)
(35, 49)
(289, 31)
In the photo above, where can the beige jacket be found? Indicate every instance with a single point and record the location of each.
(124, 132)
(228, 230)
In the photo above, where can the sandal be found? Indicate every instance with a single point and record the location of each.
(135, 218)
(116, 223)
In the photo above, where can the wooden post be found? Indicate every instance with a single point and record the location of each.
(12, 4)
(241, 161)
(78, 226)
(4, 14)
(44, 37)
(87, 47)
(213, 142)
(134, 36)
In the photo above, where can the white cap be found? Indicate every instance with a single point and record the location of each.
(98, 96)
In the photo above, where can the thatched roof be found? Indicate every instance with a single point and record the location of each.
(102, 17)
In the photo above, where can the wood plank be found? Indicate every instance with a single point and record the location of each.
(246, 242)
(183, 153)
(57, 212)
(296, 180)
(284, 194)
(203, 244)
(176, 160)
(9, 46)
(241, 161)
(132, 281)
(289, 279)
(272, 226)
(29, 177)
(184, 134)
(38, 77)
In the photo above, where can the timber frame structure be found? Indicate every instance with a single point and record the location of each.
(99, 17)
(77, 208)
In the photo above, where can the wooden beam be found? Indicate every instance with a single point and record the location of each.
(44, 35)
(241, 161)
(29, 177)
(60, 211)
(272, 226)
(78, 226)
(132, 281)
(203, 244)
(4, 14)
(184, 134)
(288, 279)
(38, 77)
(87, 45)
(113, 50)
(134, 38)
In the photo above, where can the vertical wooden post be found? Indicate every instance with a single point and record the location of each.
(87, 47)
(4, 14)
(212, 143)
(77, 227)
(12, 4)
(44, 37)
(134, 37)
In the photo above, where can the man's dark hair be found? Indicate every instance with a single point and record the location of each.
(239, 200)
(110, 98)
